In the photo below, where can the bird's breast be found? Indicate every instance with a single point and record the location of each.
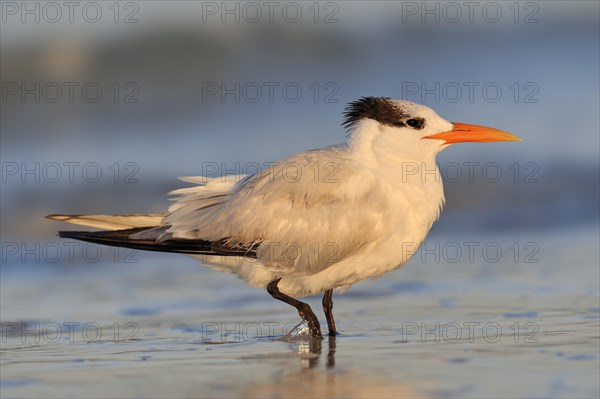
(415, 198)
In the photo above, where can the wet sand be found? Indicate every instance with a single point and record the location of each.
(166, 327)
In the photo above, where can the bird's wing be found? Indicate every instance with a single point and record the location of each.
(307, 211)
(302, 215)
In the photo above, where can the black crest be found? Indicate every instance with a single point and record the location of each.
(381, 109)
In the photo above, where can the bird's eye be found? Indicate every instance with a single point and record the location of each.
(415, 123)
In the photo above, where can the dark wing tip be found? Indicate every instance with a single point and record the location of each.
(121, 238)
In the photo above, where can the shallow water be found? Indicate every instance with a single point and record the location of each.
(164, 327)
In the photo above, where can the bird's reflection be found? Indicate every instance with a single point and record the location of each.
(310, 380)
(311, 349)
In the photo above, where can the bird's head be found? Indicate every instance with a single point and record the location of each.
(395, 124)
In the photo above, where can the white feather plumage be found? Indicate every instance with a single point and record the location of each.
(325, 231)
(361, 216)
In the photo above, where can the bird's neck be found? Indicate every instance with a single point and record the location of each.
(408, 180)
(405, 168)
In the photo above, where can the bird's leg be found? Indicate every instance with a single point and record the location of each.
(328, 309)
(304, 309)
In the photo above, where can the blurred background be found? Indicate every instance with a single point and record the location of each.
(171, 90)
(104, 104)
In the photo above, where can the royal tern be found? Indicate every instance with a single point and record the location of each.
(317, 221)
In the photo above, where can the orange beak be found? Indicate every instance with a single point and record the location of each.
(463, 133)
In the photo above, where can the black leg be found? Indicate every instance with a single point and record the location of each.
(328, 309)
(303, 309)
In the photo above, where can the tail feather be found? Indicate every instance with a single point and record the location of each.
(112, 222)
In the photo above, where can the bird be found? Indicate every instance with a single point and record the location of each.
(317, 221)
